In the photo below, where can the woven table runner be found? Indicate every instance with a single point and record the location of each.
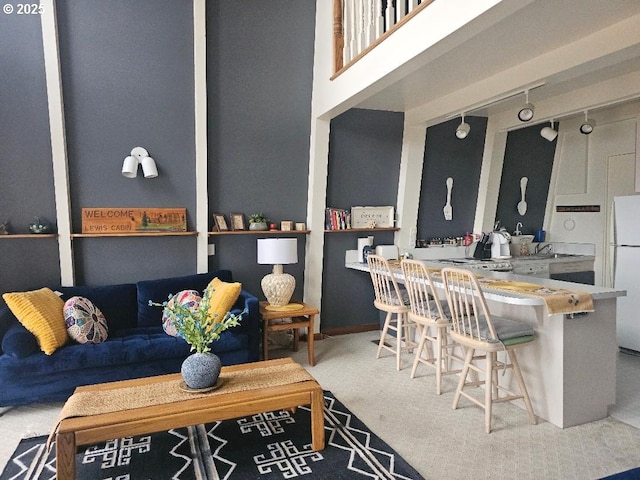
(557, 300)
(82, 404)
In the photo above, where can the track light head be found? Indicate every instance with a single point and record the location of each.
(587, 127)
(526, 112)
(463, 129)
(549, 133)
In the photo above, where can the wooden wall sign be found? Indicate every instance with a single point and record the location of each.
(132, 220)
(367, 217)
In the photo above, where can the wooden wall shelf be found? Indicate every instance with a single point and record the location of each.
(262, 232)
(13, 236)
(135, 234)
(349, 230)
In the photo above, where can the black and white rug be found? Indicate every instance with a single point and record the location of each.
(274, 445)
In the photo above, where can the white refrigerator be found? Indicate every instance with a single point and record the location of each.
(626, 214)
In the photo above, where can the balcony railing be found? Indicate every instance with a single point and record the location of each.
(360, 25)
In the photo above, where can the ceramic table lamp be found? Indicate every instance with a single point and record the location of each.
(278, 286)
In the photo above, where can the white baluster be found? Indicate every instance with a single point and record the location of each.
(346, 33)
(400, 10)
(412, 4)
(390, 14)
(379, 20)
(370, 25)
(353, 36)
(362, 44)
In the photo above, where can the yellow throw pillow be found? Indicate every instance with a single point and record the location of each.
(42, 313)
(223, 297)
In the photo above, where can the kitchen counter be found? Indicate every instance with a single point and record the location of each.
(597, 293)
(570, 370)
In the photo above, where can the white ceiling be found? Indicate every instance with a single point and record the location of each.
(536, 33)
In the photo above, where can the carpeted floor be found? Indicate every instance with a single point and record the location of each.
(421, 426)
(273, 445)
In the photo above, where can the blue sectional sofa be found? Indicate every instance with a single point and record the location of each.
(136, 346)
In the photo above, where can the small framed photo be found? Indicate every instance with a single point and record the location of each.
(286, 225)
(237, 221)
(220, 223)
(300, 226)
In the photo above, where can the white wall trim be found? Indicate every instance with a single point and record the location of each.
(200, 108)
(58, 139)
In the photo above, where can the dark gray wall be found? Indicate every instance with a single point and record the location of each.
(26, 178)
(447, 156)
(259, 75)
(364, 167)
(528, 155)
(127, 76)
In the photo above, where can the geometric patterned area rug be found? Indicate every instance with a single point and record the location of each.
(273, 445)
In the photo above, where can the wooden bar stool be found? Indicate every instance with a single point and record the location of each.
(302, 316)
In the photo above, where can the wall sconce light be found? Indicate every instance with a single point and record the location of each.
(587, 127)
(549, 133)
(526, 112)
(463, 129)
(139, 156)
(278, 286)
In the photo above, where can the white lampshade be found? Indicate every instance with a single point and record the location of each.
(278, 287)
(277, 251)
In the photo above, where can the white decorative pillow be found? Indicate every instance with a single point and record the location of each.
(85, 322)
(189, 299)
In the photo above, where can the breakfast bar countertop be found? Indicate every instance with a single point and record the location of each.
(597, 293)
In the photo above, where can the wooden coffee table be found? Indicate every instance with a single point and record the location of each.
(86, 430)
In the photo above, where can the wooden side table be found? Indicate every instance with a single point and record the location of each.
(300, 318)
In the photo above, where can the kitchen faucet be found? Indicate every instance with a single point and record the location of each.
(539, 249)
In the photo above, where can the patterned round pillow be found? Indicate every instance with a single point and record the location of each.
(187, 298)
(85, 322)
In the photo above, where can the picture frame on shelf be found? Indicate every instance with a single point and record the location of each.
(286, 225)
(237, 221)
(220, 223)
(301, 226)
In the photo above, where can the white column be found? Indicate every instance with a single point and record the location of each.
(58, 139)
(413, 142)
(200, 108)
(316, 203)
(495, 144)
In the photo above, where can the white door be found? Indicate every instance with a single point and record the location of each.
(621, 175)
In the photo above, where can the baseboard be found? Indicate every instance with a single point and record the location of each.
(333, 332)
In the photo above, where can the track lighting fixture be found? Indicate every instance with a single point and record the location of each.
(587, 127)
(549, 133)
(463, 129)
(526, 112)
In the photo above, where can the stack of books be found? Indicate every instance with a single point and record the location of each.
(337, 219)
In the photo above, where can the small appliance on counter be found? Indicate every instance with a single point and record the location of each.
(390, 252)
(364, 242)
(500, 244)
